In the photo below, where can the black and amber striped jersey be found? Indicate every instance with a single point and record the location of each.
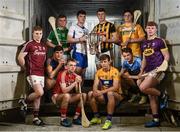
(106, 29)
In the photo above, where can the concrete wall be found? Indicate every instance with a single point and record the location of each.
(14, 23)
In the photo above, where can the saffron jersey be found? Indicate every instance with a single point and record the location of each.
(124, 32)
(107, 77)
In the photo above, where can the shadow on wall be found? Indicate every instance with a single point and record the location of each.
(172, 76)
(20, 87)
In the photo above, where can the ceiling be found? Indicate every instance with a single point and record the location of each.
(70, 7)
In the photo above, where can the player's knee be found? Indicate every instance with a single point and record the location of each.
(90, 94)
(110, 93)
(142, 89)
(66, 96)
(39, 93)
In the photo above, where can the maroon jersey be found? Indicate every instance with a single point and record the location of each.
(66, 77)
(35, 58)
(152, 51)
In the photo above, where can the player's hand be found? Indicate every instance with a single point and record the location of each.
(103, 38)
(97, 93)
(65, 49)
(125, 44)
(83, 39)
(78, 79)
(62, 61)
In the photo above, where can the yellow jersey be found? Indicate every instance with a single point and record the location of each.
(107, 77)
(124, 32)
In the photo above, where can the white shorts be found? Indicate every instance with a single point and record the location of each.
(159, 76)
(33, 80)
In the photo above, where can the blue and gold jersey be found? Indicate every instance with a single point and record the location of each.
(107, 77)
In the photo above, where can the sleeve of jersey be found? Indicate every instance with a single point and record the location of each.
(163, 45)
(124, 65)
(112, 29)
(71, 31)
(139, 61)
(116, 75)
(97, 75)
(51, 35)
(25, 48)
(141, 33)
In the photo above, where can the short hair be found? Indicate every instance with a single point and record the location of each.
(152, 23)
(71, 60)
(104, 57)
(81, 12)
(101, 10)
(37, 28)
(57, 48)
(127, 50)
(131, 12)
(61, 16)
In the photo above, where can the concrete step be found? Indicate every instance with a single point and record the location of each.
(55, 120)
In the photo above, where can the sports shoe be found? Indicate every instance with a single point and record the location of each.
(95, 120)
(77, 121)
(152, 124)
(107, 125)
(133, 98)
(23, 104)
(66, 122)
(143, 100)
(38, 122)
(164, 101)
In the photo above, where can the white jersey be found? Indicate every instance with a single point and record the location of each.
(76, 31)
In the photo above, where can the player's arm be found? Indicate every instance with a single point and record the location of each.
(96, 83)
(143, 64)
(21, 59)
(50, 44)
(141, 35)
(72, 40)
(65, 88)
(52, 73)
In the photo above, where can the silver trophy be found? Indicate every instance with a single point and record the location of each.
(94, 40)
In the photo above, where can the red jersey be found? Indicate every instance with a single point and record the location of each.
(35, 58)
(66, 77)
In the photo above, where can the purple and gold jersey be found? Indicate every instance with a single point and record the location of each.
(152, 51)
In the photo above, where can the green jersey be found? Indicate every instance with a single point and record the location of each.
(62, 34)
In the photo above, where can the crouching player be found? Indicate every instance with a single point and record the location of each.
(107, 79)
(65, 92)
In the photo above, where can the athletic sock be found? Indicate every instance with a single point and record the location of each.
(96, 114)
(78, 112)
(109, 117)
(63, 112)
(156, 117)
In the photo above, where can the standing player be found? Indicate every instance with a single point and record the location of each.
(32, 58)
(136, 37)
(107, 79)
(155, 51)
(62, 32)
(108, 32)
(77, 38)
(66, 92)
